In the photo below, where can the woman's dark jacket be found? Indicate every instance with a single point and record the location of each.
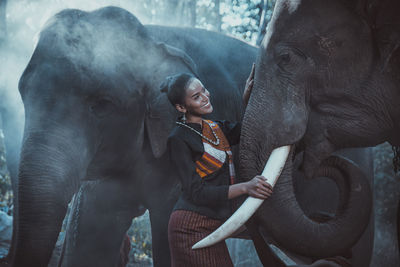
(209, 195)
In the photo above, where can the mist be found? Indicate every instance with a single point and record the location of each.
(26, 19)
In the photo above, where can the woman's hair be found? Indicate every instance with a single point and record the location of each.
(175, 87)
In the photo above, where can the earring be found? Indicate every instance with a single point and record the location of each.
(184, 117)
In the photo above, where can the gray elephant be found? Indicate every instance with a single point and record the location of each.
(97, 125)
(326, 79)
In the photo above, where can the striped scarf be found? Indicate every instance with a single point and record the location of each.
(214, 156)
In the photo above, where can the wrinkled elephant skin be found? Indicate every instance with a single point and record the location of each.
(326, 79)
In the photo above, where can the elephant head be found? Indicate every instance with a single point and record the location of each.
(94, 118)
(323, 82)
(326, 78)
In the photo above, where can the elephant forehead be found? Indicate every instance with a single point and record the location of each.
(91, 41)
(281, 5)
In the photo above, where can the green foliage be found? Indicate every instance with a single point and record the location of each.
(140, 237)
(241, 18)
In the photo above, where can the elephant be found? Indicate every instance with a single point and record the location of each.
(97, 124)
(326, 79)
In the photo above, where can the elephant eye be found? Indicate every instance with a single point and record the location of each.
(102, 107)
(284, 58)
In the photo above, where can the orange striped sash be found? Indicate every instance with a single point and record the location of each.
(214, 156)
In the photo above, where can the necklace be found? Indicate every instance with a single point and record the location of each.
(216, 142)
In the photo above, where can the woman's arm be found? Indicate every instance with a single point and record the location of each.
(200, 193)
(256, 187)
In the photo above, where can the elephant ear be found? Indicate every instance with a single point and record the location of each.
(161, 115)
(388, 45)
(382, 16)
(359, 6)
(386, 28)
(159, 121)
(170, 51)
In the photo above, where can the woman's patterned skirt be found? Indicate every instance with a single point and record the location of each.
(186, 228)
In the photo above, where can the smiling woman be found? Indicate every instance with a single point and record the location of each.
(201, 156)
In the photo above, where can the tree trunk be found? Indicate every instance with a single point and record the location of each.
(170, 12)
(263, 22)
(192, 8)
(3, 25)
(218, 19)
(181, 16)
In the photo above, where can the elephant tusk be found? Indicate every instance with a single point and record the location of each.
(272, 171)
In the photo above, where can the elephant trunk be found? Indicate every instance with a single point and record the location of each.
(290, 227)
(281, 215)
(48, 177)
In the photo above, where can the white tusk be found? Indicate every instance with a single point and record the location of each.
(272, 171)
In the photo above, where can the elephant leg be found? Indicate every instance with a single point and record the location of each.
(101, 214)
(159, 218)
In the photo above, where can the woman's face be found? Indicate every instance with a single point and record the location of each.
(197, 99)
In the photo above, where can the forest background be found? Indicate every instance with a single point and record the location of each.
(20, 24)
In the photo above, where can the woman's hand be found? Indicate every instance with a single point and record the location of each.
(258, 187)
(249, 86)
